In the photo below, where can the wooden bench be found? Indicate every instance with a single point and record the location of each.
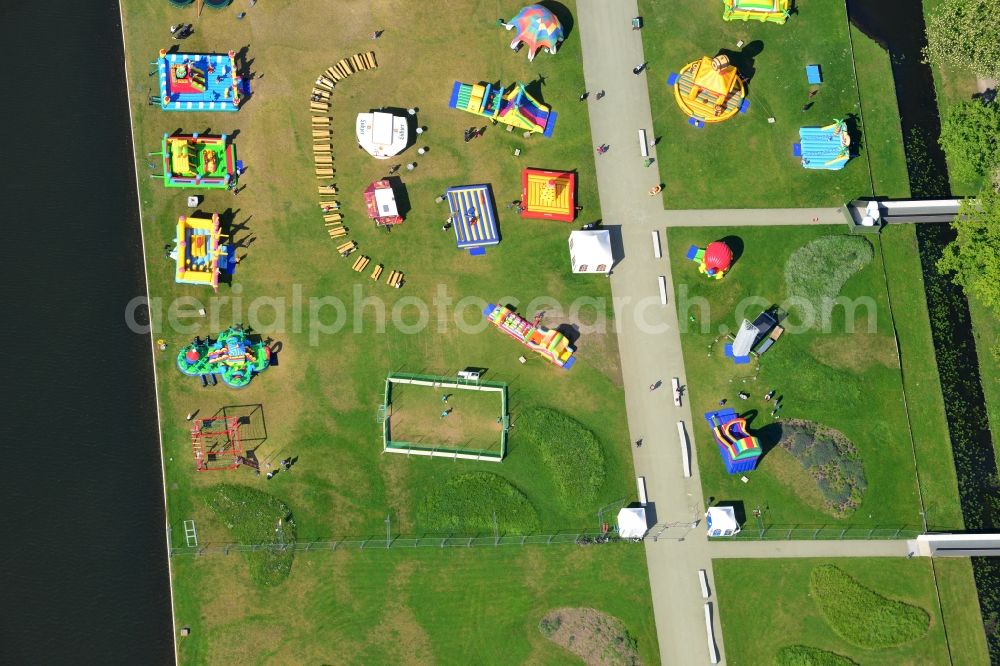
(328, 190)
(377, 273)
(395, 279)
(332, 217)
(337, 232)
(329, 206)
(370, 60)
(361, 263)
(349, 246)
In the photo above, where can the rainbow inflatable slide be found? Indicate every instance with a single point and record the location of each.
(740, 451)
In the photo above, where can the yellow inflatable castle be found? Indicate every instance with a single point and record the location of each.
(709, 89)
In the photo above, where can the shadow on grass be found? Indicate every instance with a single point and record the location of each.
(743, 59)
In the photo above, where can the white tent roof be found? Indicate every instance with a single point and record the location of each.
(721, 521)
(632, 523)
(745, 339)
(382, 135)
(385, 202)
(590, 249)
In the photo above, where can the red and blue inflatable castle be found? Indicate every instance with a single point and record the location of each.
(739, 449)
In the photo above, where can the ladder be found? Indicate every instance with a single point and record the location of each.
(190, 534)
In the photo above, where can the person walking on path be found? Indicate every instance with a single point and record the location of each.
(655, 385)
(638, 443)
(584, 96)
(638, 69)
(445, 413)
(444, 398)
(599, 95)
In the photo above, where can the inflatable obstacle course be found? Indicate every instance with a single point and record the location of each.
(513, 107)
(740, 451)
(549, 343)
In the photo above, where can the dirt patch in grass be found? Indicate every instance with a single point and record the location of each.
(856, 352)
(790, 473)
(418, 416)
(597, 638)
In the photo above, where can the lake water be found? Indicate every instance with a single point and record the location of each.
(83, 571)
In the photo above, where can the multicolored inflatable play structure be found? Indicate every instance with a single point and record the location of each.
(709, 90)
(740, 450)
(199, 250)
(537, 28)
(196, 160)
(232, 356)
(473, 217)
(515, 107)
(824, 147)
(198, 81)
(713, 261)
(551, 344)
(772, 11)
(548, 195)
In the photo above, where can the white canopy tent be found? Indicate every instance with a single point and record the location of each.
(632, 523)
(590, 251)
(382, 135)
(721, 521)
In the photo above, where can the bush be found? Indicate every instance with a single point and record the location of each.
(255, 517)
(571, 453)
(830, 459)
(816, 272)
(861, 616)
(803, 655)
(466, 504)
(966, 34)
(970, 136)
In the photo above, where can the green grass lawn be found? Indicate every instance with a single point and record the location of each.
(420, 606)
(707, 168)
(935, 464)
(339, 333)
(849, 381)
(766, 605)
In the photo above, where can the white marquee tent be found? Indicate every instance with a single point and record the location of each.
(632, 523)
(590, 251)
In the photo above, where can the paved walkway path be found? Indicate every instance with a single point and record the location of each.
(650, 342)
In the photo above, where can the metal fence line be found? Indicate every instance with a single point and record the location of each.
(769, 533)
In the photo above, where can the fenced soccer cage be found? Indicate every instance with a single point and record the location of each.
(425, 441)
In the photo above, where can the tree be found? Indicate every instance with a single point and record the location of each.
(974, 255)
(970, 137)
(966, 34)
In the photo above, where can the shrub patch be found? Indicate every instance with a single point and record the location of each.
(255, 517)
(816, 272)
(571, 453)
(861, 616)
(803, 655)
(466, 503)
(830, 459)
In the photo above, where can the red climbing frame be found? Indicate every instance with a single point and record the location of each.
(216, 444)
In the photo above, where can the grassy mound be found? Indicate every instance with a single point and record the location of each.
(830, 459)
(571, 452)
(466, 503)
(816, 272)
(253, 517)
(595, 637)
(861, 616)
(803, 655)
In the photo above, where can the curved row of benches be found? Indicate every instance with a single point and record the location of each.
(322, 135)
